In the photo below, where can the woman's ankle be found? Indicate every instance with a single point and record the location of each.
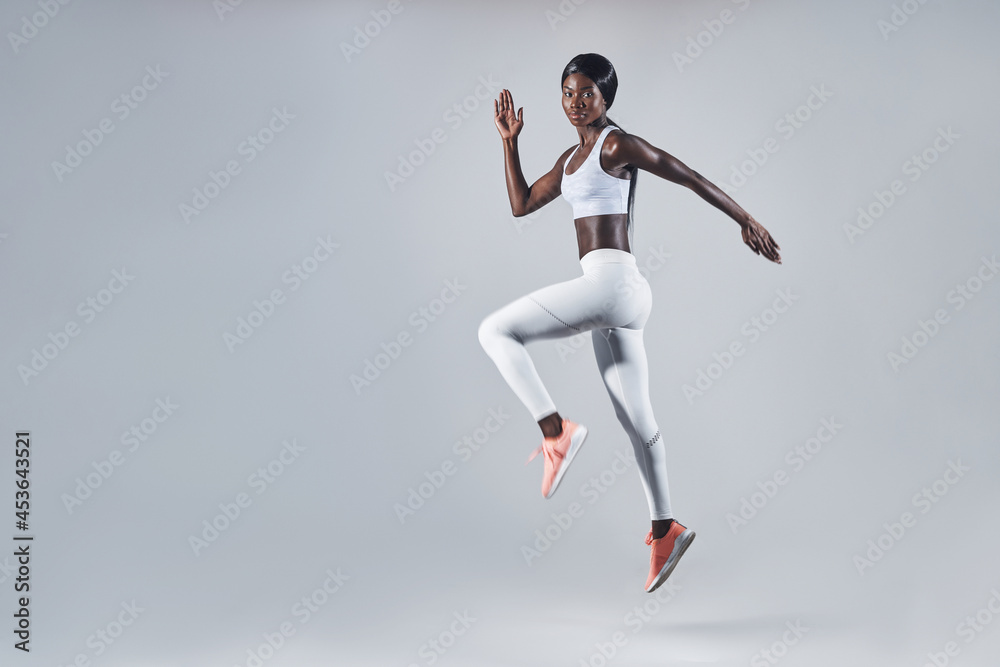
(551, 425)
(661, 527)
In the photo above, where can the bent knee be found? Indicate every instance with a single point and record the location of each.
(488, 331)
(494, 330)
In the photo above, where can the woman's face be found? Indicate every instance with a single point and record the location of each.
(582, 101)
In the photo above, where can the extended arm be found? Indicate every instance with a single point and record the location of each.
(629, 149)
(523, 199)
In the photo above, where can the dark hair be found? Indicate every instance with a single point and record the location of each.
(599, 69)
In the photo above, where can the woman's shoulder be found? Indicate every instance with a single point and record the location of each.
(618, 135)
(618, 140)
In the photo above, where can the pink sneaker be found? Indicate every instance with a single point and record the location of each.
(665, 553)
(559, 453)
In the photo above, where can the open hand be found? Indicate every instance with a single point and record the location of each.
(507, 121)
(760, 241)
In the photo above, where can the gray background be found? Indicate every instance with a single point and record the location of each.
(324, 175)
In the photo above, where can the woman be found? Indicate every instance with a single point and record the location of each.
(611, 299)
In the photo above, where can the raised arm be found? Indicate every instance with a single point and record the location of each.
(524, 199)
(628, 149)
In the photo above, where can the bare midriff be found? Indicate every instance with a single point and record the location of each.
(602, 231)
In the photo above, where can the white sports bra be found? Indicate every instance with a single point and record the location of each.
(590, 190)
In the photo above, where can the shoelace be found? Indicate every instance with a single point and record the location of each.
(535, 453)
(550, 452)
(649, 536)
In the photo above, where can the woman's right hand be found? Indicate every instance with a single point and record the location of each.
(508, 123)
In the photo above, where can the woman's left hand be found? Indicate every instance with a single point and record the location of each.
(759, 240)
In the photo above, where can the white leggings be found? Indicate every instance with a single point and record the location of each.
(611, 300)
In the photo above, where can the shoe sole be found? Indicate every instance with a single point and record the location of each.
(684, 540)
(575, 443)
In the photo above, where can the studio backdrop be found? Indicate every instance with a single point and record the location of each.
(245, 249)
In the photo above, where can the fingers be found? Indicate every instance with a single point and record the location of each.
(772, 241)
(772, 248)
(760, 241)
(772, 252)
(505, 104)
(762, 245)
(752, 239)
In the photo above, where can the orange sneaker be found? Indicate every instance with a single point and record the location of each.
(559, 453)
(665, 553)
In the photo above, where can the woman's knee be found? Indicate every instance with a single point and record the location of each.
(486, 332)
(491, 331)
(625, 419)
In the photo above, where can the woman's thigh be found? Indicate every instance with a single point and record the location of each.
(534, 316)
(612, 295)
